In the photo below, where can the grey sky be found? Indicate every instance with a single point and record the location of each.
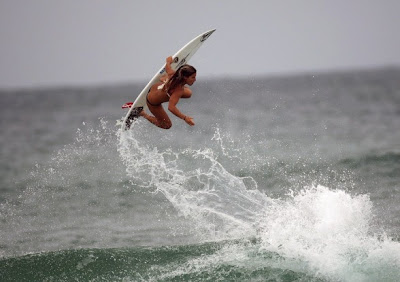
(79, 42)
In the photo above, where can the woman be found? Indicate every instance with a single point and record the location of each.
(170, 89)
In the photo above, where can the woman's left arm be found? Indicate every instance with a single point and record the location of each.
(173, 101)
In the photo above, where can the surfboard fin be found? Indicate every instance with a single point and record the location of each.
(127, 105)
(133, 116)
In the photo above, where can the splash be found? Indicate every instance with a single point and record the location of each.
(220, 204)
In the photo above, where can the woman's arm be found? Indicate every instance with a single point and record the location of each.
(173, 101)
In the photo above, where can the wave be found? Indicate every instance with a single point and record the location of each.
(203, 262)
(238, 260)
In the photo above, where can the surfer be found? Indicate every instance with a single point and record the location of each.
(171, 88)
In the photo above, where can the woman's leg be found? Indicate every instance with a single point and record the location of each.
(160, 118)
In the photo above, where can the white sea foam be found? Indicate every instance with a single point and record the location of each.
(330, 231)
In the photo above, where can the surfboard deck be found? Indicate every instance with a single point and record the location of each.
(179, 58)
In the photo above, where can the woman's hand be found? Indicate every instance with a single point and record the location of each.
(189, 120)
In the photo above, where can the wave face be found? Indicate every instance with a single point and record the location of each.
(205, 262)
(241, 260)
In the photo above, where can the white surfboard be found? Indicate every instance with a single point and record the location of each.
(180, 58)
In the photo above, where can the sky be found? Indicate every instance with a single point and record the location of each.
(101, 42)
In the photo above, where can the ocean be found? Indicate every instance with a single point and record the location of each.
(283, 178)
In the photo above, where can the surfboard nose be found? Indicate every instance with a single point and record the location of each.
(207, 35)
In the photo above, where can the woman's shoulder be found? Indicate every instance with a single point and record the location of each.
(178, 89)
(187, 92)
(182, 91)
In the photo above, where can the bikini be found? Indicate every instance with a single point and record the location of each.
(159, 88)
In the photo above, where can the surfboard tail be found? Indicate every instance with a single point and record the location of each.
(135, 113)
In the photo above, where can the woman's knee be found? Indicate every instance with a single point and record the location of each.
(166, 125)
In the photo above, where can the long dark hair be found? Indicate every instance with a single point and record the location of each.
(179, 77)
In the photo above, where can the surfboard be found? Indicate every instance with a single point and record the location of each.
(179, 58)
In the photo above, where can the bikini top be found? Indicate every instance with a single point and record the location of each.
(161, 87)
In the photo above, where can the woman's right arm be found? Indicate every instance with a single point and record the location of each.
(168, 67)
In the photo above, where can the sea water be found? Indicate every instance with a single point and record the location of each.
(292, 178)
